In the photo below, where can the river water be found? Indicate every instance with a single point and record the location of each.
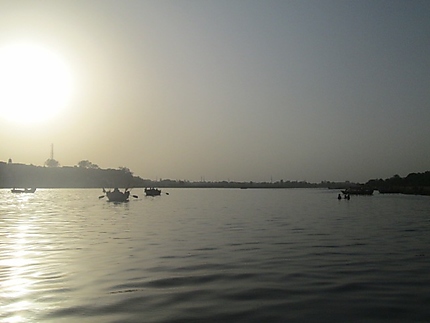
(214, 255)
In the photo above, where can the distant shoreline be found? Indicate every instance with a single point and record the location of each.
(14, 175)
(21, 175)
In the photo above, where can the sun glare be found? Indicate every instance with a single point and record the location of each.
(35, 83)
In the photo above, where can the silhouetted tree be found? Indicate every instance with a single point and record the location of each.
(87, 164)
(52, 163)
(125, 170)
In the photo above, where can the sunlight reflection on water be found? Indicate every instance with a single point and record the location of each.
(213, 255)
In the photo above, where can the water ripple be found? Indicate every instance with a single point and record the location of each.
(213, 256)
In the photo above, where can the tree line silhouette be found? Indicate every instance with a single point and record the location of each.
(84, 175)
(89, 175)
(414, 183)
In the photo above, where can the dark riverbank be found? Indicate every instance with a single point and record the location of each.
(414, 183)
(21, 175)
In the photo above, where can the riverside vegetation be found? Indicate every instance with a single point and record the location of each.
(88, 175)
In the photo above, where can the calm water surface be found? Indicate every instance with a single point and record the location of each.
(214, 255)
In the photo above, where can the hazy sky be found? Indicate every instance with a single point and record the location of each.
(231, 89)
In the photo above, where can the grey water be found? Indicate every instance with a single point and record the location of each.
(214, 255)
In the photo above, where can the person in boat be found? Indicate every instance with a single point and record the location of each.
(339, 197)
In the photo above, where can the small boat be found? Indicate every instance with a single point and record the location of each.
(23, 190)
(117, 196)
(152, 192)
(358, 191)
(390, 190)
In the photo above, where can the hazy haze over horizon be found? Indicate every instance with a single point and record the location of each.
(232, 90)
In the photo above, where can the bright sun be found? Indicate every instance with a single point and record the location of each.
(35, 84)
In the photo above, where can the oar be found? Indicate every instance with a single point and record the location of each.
(101, 196)
(135, 196)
